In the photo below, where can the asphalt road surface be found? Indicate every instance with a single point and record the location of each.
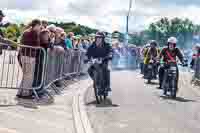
(140, 108)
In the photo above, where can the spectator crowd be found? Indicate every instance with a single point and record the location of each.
(50, 37)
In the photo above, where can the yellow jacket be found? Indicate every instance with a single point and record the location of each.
(149, 53)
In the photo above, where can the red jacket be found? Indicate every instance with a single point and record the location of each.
(30, 38)
(194, 56)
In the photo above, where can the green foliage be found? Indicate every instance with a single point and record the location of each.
(183, 29)
(119, 35)
(161, 30)
(13, 32)
(77, 29)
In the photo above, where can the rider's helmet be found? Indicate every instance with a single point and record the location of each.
(100, 35)
(153, 43)
(197, 45)
(147, 45)
(172, 40)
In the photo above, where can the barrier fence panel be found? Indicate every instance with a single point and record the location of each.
(83, 66)
(197, 69)
(10, 71)
(54, 67)
(23, 68)
(67, 62)
(61, 63)
(32, 68)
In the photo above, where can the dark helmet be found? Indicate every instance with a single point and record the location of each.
(1, 13)
(153, 42)
(100, 34)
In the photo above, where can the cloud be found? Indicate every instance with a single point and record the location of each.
(106, 15)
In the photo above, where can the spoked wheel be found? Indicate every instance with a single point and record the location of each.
(101, 98)
(96, 89)
(173, 90)
(173, 95)
(105, 97)
(149, 81)
(96, 95)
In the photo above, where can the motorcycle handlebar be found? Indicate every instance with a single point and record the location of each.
(101, 58)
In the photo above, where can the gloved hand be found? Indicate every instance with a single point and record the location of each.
(108, 58)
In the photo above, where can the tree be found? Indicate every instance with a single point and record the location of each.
(164, 28)
(119, 35)
(13, 32)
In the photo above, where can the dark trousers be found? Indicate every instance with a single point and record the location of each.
(39, 62)
(142, 68)
(105, 71)
(161, 75)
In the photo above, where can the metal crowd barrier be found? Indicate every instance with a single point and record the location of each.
(32, 68)
(197, 69)
(61, 64)
(23, 68)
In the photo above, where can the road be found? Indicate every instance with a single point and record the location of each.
(140, 108)
(44, 116)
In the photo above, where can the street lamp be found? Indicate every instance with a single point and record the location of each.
(127, 22)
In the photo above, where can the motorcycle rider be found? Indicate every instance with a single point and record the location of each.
(169, 55)
(142, 52)
(151, 56)
(100, 49)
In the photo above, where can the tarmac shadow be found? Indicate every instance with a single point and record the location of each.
(103, 104)
(152, 83)
(178, 99)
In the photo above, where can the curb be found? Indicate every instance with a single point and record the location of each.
(81, 121)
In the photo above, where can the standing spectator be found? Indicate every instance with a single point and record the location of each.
(59, 47)
(52, 34)
(2, 39)
(27, 57)
(44, 24)
(85, 44)
(58, 35)
(39, 62)
(76, 42)
(68, 40)
(195, 56)
(61, 40)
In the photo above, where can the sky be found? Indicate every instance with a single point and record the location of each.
(106, 15)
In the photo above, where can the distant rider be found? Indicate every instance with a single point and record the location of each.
(151, 56)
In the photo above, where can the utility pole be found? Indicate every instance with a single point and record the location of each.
(127, 23)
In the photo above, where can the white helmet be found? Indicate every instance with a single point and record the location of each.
(147, 45)
(172, 40)
(197, 45)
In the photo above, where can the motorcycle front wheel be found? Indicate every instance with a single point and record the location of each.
(98, 98)
(149, 81)
(173, 88)
(96, 95)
